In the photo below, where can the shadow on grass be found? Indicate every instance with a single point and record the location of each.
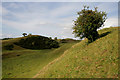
(100, 36)
(104, 34)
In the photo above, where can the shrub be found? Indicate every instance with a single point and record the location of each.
(9, 47)
(38, 42)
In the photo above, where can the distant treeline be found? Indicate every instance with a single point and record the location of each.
(6, 38)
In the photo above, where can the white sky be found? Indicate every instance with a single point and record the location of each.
(52, 19)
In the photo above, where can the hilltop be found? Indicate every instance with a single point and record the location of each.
(33, 42)
(30, 42)
(95, 60)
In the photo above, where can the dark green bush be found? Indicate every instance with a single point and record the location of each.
(9, 47)
(38, 42)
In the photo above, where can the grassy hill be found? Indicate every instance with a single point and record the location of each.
(95, 60)
(71, 60)
(25, 63)
(29, 42)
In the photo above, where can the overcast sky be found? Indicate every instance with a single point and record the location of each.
(51, 19)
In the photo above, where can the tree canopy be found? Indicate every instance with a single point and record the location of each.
(87, 23)
(24, 34)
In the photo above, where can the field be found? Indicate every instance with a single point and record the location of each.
(26, 63)
(72, 60)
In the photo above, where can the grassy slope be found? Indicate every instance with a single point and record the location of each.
(25, 63)
(96, 60)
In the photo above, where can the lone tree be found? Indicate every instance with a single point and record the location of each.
(88, 22)
(24, 34)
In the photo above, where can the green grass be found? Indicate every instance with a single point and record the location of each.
(26, 63)
(72, 60)
(96, 60)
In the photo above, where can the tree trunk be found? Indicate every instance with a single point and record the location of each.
(93, 36)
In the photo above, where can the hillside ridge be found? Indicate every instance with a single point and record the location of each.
(98, 55)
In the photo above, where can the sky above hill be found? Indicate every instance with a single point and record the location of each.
(51, 19)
